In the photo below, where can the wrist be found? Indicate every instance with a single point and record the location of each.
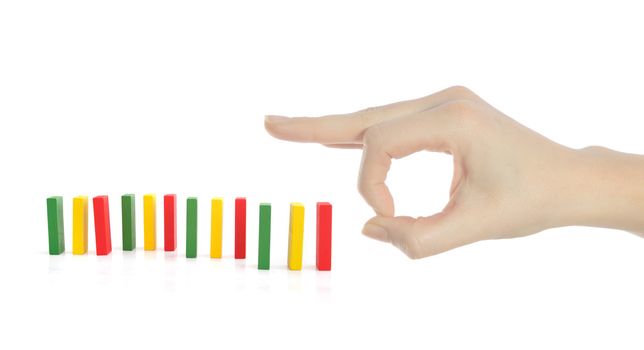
(601, 188)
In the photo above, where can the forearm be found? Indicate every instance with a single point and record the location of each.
(604, 188)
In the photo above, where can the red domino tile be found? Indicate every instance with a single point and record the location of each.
(323, 236)
(240, 228)
(170, 222)
(102, 225)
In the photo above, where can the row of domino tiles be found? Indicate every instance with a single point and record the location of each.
(104, 241)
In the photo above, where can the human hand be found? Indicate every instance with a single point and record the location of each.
(508, 180)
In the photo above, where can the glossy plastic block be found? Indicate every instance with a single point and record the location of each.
(296, 236)
(149, 222)
(128, 222)
(216, 223)
(102, 225)
(55, 225)
(191, 227)
(323, 236)
(264, 251)
(240, 228)
(79, 225)
(169, 222)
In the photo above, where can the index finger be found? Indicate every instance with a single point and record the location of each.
(347, 129)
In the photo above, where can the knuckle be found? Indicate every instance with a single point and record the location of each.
(460, 91)
(370, 110)
(366, 116)
(461, 107)
(309, 124)
(597, 149)
(466, 112)
(372, 134)
(362, 119)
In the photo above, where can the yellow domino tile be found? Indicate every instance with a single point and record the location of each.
(149, 222)
(216, 212)
(79, 227)
(296, 236)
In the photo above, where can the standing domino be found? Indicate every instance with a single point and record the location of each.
(79, 226)
(323, 237)
(102, 225)
(296, 236)
(169, 222)
(240, 228)
(191, 228)
(128, 220)
(55, 225)
(216, 222)
(264, 254)
(149, 222)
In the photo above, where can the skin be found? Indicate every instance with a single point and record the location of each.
(508, 181)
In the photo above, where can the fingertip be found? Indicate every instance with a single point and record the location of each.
(274, 125)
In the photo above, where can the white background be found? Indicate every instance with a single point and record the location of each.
(114, 97)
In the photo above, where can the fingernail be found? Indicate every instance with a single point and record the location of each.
(275, 119)
(375, 232)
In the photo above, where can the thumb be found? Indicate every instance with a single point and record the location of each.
(424, 236)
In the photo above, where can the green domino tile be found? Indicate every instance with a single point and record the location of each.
(55, 225)
(264, 255)
(191, 228)
(129, 222)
